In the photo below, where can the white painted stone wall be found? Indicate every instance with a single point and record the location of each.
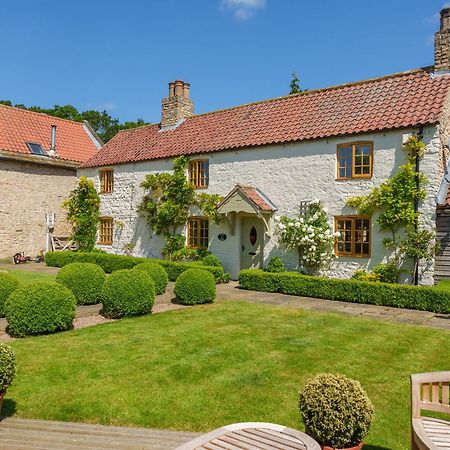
(287, 174)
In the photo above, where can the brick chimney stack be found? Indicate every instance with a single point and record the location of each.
(442, 43)
(178, 105)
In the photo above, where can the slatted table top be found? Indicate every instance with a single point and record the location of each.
(253, 436)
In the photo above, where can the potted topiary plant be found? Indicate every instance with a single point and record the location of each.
(7, 369)
(336, 411)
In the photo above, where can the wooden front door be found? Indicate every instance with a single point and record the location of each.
(252, 243)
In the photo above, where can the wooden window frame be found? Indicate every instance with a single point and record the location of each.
(198, 232)
(195, 174)
(353, 242)
(106, 181)
(353, 145)
(101, 231)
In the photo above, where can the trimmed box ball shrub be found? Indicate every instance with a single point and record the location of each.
(8, 284)
(336, 411)
(128, 293)
(85, 280)
(212, 260)
(39, 308)
(157, 273)
(195, 286)
(7, 368)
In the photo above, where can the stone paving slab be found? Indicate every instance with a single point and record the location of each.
(231, 291)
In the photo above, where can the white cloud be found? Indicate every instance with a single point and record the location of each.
(243, 9)
(436, 17)
(108, 106)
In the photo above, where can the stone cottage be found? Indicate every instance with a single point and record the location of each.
(39, 157)
(266, 158)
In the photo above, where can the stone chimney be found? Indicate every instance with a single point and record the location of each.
(177, 106)
(442, 43)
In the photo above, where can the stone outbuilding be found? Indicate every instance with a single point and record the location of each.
(39, 157)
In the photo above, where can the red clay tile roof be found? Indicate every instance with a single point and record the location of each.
(18, 126)
(254, 195)
(397, 101)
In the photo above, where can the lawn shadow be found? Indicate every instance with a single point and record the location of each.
(8, 408)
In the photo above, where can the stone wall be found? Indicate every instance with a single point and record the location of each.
(28, 192)
(287, 174)
(175, 109)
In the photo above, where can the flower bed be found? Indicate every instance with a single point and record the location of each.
(399, 296)
(110, 263)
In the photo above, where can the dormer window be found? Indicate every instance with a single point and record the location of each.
(36, 149)
(199, 173)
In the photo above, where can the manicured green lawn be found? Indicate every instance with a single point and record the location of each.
(444, 285)
(207, 366)
(26, 276)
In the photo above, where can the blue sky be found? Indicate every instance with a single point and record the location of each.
(120, 55)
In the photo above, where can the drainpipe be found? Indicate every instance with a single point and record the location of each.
(416, 209)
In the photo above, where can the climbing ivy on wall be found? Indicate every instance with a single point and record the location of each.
(169, 201)
(396, 200)
(83, 213)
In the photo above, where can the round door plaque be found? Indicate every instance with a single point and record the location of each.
(222, 236)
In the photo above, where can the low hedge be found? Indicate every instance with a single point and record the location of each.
(128, 293)
(157, 273)
(195, 286)
(422, 298)
(40, 308)
(110, 263)
(85, 280)
(8, 284)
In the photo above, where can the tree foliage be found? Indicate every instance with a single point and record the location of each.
(83, 213)
(103, 124)
(396, 201)
(310, 235)
(169, 201)
(295, 84)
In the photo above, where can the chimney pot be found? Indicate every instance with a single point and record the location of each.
(186, 88)
(177, 106)
(171, 89)
(179, 88)
(445, 19)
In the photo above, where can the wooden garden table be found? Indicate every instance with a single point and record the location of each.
(252, 436)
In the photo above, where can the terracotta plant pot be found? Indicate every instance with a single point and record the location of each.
(2, 394)
(356, 447)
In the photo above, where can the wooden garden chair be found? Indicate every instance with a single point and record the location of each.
(252, 436)
(430, 391)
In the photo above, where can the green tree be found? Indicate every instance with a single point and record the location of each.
(102, 123)
(294, 85)
(83, 213)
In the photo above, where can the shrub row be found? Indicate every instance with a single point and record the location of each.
(110, 263)
(399, 296)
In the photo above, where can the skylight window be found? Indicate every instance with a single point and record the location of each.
(36, 149)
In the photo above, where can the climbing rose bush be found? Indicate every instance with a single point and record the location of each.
(310, 235)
